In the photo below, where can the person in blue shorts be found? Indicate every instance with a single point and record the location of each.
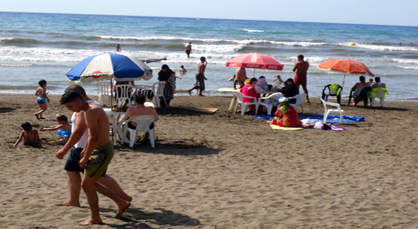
(42, 98)
(63, 129)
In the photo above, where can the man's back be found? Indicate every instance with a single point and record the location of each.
(98, 124)
(302, 68)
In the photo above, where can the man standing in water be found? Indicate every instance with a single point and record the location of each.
(301, 68)
(98, 152)
(188, 49)
(200, 77)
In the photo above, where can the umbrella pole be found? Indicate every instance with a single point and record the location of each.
(254, 73)
(111, 94)
(343, 80)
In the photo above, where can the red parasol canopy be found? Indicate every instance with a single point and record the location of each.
(255, 60)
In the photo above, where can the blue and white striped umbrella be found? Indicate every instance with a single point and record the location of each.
(121, 67)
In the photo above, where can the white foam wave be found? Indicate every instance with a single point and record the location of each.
(5, 38)
(218, 48)
(403, 61)
(243, 42)
(16, 65)
(384, 48)
(409, 68)
(150, 38)
(254, 31)
(45, 54)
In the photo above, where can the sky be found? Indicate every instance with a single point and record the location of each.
(382, 12)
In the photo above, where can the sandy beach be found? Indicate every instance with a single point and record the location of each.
(224, 170)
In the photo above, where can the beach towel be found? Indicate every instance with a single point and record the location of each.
(276, 127)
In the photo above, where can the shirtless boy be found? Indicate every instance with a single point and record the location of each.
(42, 98)
(301, 68)
(98, 152)
(140, 109)
(29, 136)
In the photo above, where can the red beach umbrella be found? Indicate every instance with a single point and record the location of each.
(255, 60)
(346, 66)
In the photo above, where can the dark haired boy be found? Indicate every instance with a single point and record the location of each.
(29, 136)
(42, 98)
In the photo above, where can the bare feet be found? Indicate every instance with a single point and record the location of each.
(190, 92)
(68, 204)
(89, 222)
(37, 117)
(201, 95)
(122, 208)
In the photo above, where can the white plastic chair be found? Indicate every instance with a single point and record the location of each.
(299, 100)
(104, 90)
(143, 125)
(158, 89)
(328, 111)
(379, 94)
(239, 97)
(268, 106)
(122, 94)
(144, 89)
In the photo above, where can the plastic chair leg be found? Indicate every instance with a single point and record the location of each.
(243, 108)
(326, 116)
(341, 117)
(382, 102)
(152, 138)
(132, 138)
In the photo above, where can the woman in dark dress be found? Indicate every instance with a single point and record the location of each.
(164, 75)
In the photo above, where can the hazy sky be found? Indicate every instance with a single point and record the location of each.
(382, 12)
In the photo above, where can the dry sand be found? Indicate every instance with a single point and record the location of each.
(225, 170)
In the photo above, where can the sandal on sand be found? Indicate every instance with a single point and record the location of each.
(37, 117)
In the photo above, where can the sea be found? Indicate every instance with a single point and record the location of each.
(35, 46)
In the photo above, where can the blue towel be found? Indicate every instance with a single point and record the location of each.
(319, 117)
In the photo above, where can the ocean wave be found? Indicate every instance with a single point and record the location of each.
(243, 41)
(19, 41)
(385, 48)
(16, 65)
(254, 30)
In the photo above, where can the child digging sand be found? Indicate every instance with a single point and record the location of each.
(42, 98)
(30, 137)
(63, 129)
(172, 81)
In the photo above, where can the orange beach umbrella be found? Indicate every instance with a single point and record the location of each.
(346, 66)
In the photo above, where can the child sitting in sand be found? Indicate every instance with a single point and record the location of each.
(30, 137)
(172, 81)
(63, 129)
(42, 98)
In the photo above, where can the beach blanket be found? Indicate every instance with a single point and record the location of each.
(319, 117)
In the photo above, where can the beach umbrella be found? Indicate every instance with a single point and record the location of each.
(256, 61)
(121, 67)
(346, 66)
